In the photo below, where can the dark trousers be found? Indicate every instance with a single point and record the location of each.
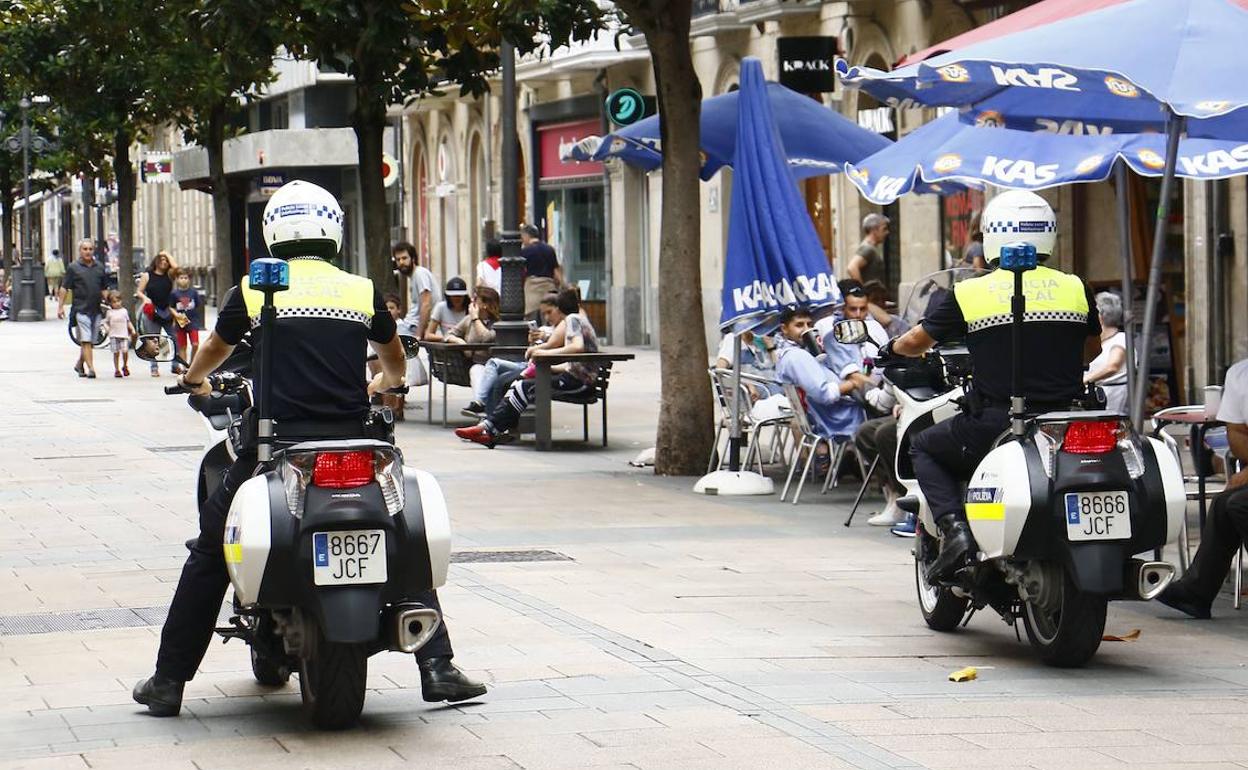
(1226, 528)
(945, 456)
(878, 437)
(201, 589)
(518, 397)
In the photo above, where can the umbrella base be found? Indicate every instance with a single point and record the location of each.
(734, 483)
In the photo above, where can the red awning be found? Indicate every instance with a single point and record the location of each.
(1041, 13)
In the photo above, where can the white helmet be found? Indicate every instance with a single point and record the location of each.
(302, 220)
(1018, 216)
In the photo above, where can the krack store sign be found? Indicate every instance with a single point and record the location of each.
(806, 63)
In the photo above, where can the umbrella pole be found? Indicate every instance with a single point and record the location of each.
(1174, 127)
(734, 435)
(1124, 239)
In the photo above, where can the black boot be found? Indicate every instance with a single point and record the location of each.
(441, 681)
(957, 544)
(1185, 600)
(161, 695)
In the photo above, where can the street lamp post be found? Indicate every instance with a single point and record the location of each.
(29, 274)
(511, 330)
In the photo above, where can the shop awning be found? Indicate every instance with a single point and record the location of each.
(1043, 12)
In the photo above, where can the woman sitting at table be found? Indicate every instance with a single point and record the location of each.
(476, 328)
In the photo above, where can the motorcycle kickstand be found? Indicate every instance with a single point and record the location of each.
(236, 630)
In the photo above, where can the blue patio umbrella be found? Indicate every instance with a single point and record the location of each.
(1138, 65)
(953, 149)
(814, 139)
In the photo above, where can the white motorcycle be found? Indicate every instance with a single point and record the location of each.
(329, 546)
(1060, 508)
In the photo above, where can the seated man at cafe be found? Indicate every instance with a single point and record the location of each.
(1226, 526)
(826, 393)
(577, 337)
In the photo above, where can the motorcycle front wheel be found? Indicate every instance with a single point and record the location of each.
(1068, 633)
(942, 609)
(331, 683)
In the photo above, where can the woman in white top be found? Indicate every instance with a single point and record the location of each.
(1109, 369)
(449, 312)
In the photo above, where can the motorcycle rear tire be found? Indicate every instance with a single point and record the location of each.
(942, 609)
(1071, 636)
(331, 683)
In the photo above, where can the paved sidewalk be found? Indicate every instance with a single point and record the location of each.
(641, 626)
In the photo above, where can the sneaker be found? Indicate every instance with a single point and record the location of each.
(477, 434)
(890, 516)
(91, 375)
(906, 528)
(78, 368)
(476, 407)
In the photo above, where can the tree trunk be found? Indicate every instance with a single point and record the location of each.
(369, 122)
(223, 262)
(123, 171)
(686, 412)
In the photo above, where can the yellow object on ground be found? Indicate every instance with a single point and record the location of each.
(964, 674)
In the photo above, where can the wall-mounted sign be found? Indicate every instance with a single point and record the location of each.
(877, 119)
(157, 168)
(626, 106)
(269, 183)
(389, 169)
(806, 63)
(553, 139)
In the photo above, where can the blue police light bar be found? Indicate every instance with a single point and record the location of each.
(1019, 257)
(269, 274)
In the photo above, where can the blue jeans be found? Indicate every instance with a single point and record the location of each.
(499, 374)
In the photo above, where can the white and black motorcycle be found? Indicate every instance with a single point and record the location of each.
(328, 546)
(1061, 508)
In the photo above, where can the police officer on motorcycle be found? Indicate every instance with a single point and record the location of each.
(318, 385)
(1057, 323)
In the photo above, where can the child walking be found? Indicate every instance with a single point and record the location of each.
(185, 304)
(120, 332)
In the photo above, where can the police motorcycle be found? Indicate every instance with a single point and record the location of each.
(1061, 507)
(328, 543)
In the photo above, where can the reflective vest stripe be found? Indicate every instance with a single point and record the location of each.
(1051, 296)
(1068, 316)
(317, 290)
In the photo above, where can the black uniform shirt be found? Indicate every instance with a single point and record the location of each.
(1056, 326)
(319, 352)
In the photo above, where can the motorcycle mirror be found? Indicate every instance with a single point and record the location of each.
(411, 345)
(156, 348)
(850, 332)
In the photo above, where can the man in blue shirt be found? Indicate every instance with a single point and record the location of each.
(830, 407)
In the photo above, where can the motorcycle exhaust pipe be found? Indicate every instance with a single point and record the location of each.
(1149, 578)
(414, 625)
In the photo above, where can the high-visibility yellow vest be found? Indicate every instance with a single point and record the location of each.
(317, 290)
(1051, 296)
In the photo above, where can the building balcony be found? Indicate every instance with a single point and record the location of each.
(256, 152)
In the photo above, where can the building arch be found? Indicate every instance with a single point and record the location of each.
(444, 173)
(478, 190)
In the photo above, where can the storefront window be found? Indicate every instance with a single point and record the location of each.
(959, 221)
(576, 229)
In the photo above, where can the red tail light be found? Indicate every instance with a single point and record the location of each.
(1090, 438)
(343, 470)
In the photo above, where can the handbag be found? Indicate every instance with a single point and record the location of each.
(417, 375)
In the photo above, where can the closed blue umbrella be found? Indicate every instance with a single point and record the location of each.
(815, 139)
(1138, 65)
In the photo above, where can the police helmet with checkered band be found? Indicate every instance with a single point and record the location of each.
(303, 220)
(1018, 216)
